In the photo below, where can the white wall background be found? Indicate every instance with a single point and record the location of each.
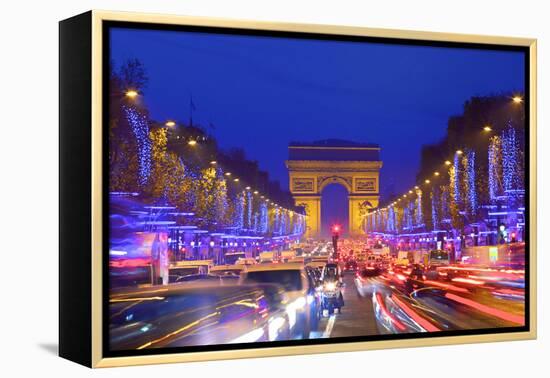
(29, 174)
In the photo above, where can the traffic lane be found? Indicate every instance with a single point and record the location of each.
(356, 319)
(468, 306)
(195, 314)
(454, 315)
(432, 309)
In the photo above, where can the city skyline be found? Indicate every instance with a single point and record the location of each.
(302, 92)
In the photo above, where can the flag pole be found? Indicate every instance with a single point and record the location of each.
(191, 110)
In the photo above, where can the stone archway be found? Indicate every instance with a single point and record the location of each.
(356, 166)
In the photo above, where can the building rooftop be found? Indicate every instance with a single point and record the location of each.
(333, 150)
(333, 143)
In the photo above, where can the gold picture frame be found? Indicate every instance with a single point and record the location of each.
(96, 21)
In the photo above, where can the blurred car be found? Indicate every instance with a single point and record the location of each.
(369, 271)
(232, 257)
(431, 272)
(246, 261)
(350, 266)
(402, 258)
(300, 260)
(367, 281)
(373, 261)
(227, 270)
(186, 268)
(439, 257)
(198, 314)
(199, 277)
(318, 262)
(299, 289)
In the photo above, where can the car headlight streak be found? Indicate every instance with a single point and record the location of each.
(249, 337)
(292, 308)
(274, 327)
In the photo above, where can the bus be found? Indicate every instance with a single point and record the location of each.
(287, 255)
(503, 254)
(232, 257)
(269, 257)
(438, 257)
(188, 267)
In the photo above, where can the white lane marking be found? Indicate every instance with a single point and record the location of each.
(330, 325)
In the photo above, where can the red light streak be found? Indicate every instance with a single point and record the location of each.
(387, 314)
(468, 281)
(415, 316)
(446, 286)
(136, 262)
(487, 309)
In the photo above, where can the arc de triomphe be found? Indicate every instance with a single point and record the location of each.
(313, 166)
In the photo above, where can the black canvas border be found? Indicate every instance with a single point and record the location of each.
(75, 189)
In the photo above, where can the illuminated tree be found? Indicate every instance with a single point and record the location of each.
(455, 198)
(169, 180)
(211, 202)
(264, 218)
(494, 157)
(123, 160)
(469, 182)
(512, 161)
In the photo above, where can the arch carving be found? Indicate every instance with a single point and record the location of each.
(311, 167)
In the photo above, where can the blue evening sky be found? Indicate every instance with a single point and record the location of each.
(263, 92)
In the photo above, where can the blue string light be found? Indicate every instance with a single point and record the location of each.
(249, 210)
(510, 158)
(471, 181)
(239, 211)
(419, 216)
(435, 215)
(264, 221)
(456, 178)
(493, 157)
(140, 128)
(391, 220)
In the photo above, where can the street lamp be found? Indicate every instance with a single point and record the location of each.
(487, 128)
(213, 162)
(427, 181)
(448, 162)
(192, 142)
(517, 99)
(459, 152)
(170, 123)
(255, 192)
(436, 173)
(131, 93)
(228, 174)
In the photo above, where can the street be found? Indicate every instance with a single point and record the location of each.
(357, 317)
(283, 296)
(446, 310)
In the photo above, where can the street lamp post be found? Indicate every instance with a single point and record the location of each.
(335, 236)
